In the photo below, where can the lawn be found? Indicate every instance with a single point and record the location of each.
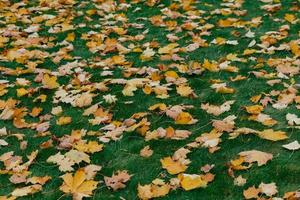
(148, 99)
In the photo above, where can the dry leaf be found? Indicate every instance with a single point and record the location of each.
(270, 134)
(256, 156)
(251, 193)
(49, 82)
(292, 146)
(173, 167)
(146, 152)
(268, 189)
(191, 181)
(77, 185)
(118, 180)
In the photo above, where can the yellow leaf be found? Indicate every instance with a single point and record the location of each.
(77, 185)
(147, 89)
(64, 121)
(184, 118)
(225, 90)
(160, 106)
(237, 164)
(220, 40)
(255, 98)
(295, 48)
(167, 49)
(42, 98)
(270, 134)
(50, 81)
(160, 190)
(144, 192)
(212, 67)
(290, 18)
(150, 191)
(255, 109)
(184, 90)
(226, 22)
(173, 167)
(191, 181)
(249, 51)
(36, 111)
(90, 147)
(171, 74)
(70, 37)
(22, 92)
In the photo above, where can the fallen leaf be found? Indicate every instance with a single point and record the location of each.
(146, 152)
(49, 82)
(173, 167)
(77, 185)
(292, 146)
(270, 134)
(251, 193)
(191, 181)
(118, 180)
(256, 156)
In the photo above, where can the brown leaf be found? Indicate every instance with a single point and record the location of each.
(118, 180)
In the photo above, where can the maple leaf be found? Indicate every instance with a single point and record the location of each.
(146, 152)
(66, 161)
(239, 181)
(24, 191)
(270, 134)
(185, 118)
(295, 48)
(256, 156)
(184, 90)
(167, 49)
(118, 180)
(256, 109)
(227, 124)
(156, 189)
(268, 189)
(50, 81)
(110, 99)
(22, 92)
(217, 110)
(292, 119)
(63, 121)
(191, 181)
(173, 167)
(77, 185)
(65, 164)
(147, 54)
(89, 147)
(83, 100)
(290, 18)
(251, 193)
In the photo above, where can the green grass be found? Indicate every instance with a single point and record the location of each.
(284, 169)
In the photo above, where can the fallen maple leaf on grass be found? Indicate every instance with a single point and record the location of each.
(191, 181)
(272, 135)
(256, 156)
(269, 190)
(146, 152)
(118, 180)
(173, 167)
(158, 188)
(77, 185)
(49, 82)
